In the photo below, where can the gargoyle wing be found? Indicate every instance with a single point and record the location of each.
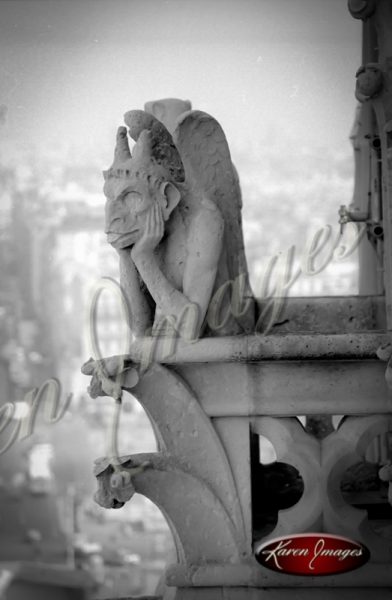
(205, 155)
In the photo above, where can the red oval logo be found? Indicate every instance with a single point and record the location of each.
(312, 554)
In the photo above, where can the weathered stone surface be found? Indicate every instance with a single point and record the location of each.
(252, 575)
(347, 314)
(255, 348)
(173, 213)
(289, 388)
(168, 111)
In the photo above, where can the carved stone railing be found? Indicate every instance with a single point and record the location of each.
(206, 402)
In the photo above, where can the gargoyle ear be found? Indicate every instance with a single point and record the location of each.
(169, 198)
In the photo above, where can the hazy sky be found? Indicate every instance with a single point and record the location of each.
(266, 69)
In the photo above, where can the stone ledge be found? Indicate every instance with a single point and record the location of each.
(290, 388)
(330, 314)
(259, 347)
(371, 575)
(136, 598)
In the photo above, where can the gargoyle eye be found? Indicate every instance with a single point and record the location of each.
(133, 198)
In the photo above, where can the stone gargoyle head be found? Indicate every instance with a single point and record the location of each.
(152, 174)
(114, 479)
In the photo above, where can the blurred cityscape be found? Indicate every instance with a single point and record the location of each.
(53, 254)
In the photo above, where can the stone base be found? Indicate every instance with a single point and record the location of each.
(297, 593)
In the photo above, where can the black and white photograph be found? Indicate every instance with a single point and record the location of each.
(195, 299)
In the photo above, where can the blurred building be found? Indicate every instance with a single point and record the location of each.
(53, 257)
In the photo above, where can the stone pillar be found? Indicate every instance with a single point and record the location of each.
(374, 91)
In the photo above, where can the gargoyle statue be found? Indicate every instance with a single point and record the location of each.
(173, 213)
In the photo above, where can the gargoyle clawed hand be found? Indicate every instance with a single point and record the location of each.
(109, 376)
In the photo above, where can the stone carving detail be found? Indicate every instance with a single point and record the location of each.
(168, 111)
(173, 213)
(322, 464)
(361, 9)
(115, 480)
(384, 353)
(191, 462)
(301, 450)
(385, 474)
(374, 86)
(369, 81)
(342, 449)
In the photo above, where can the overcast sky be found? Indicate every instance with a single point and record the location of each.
(266, 69)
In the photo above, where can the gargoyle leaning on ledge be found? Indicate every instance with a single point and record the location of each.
(173, 213)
